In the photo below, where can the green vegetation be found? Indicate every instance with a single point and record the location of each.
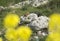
(9, 2)
(53, 6)
(48, 9)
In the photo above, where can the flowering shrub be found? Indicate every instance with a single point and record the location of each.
(23, 33)
(11, 20)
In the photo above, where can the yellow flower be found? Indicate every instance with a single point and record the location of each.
(0, 39)
(53, 37)
(24, 33)
(54, 23)
(11, 20)
(54, 28)
(11, 34)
